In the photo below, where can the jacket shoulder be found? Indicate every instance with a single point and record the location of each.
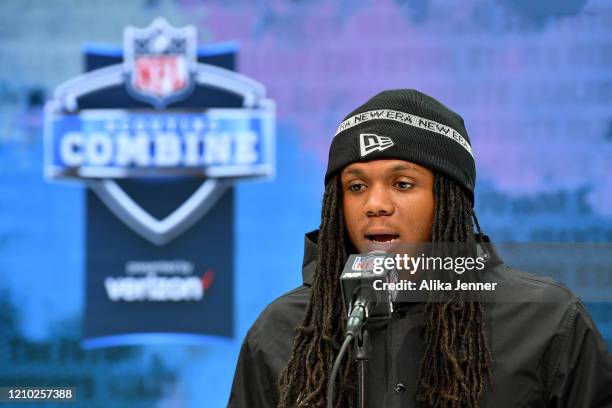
(283, 313)
(534, 287)
(265, 351)
(272, 333)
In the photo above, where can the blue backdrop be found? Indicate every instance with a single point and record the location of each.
(532, 80)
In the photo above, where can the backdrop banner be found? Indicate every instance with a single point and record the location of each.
(159, 130)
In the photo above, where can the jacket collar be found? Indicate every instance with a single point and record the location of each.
(310, 255)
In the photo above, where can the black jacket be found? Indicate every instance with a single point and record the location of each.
(545, 354)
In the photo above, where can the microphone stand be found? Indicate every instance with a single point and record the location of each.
(362, 354)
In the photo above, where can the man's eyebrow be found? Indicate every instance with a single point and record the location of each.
(402, 167)
(356, 172)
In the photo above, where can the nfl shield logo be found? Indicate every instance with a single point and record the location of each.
(160, 62)
(357, 264)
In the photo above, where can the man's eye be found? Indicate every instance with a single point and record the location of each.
(404, 185)
(357, 187)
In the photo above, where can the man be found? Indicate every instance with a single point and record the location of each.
(401, 170)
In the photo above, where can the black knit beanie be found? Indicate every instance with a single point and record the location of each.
(408, 125)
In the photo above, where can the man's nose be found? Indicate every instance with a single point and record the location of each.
(379, 202)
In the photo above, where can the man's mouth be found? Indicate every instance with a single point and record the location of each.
(382, 237)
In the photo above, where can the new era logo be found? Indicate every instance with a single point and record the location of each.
(370, 142)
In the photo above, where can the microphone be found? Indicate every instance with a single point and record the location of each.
(365, 300)
(362, 289)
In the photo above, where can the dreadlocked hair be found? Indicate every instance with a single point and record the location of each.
(456, 363)
(319, 337)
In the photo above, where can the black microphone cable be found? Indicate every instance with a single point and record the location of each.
(332, 378)
(353, 324)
